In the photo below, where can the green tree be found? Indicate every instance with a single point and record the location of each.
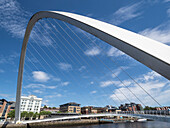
(30, 114)
(35, 115)
(27, 115)
(11, 114)
(59, 112)
(149, 108)
(54, 107)
(24, 114)
(45, 113)
(45, 106)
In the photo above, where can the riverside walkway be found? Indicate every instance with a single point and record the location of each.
(151, 115)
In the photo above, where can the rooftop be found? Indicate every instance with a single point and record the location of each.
(70, 103)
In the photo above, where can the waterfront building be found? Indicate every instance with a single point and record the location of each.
(92, 109)
(131, 107)
(87, 110)
(99, 109)
(52, 110)
(163, 108)
(110, 108)
(30, 104)
(5, 108)
(139, 107)
(71, 107)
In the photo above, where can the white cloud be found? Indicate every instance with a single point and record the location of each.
(40, 86)
(151, 75)
(109, 82)
(56, 79)
(168, 12)
(126, 13)
(151, 82)
(118, 71)
(65, 83)
(45, 102)
(114, 52)
(65, 66)
(53, 96)
(93, 92)
(2, 60)
(148, 76)
(8, 59)
(106, 83)
(166, 0)
(13, 17)
(38, 91)
(58, 95)
(40, 76)
(92, 51)
(160, 33)
(82, 68)
(153, 87)
(91, 82)
(2, 71)
(4, 95)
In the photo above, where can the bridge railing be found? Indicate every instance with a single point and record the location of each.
(147, 112)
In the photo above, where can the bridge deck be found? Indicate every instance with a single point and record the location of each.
(163, 118)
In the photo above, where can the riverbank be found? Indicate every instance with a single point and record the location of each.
(53, 124)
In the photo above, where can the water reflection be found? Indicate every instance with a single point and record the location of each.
(149, 124)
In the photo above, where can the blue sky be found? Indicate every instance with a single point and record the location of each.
(54, 73)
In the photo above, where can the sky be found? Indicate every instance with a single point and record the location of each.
(61, 66)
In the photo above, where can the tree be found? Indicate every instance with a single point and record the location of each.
(59, 112)
(30, 114)
(45, 113)
(45, 106)
(54, 107)
(11, 114)
(24, 114)
(149, 108)
(35, 115)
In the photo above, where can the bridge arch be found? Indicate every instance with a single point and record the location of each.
(153, 54)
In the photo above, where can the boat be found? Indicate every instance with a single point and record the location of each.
(107, 120)
(130, 121)
(142, 120)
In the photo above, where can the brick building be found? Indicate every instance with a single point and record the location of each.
(5, 108)
(86, 109)
(71, 107)
(91, 109)
(131, 107)
(52, 110)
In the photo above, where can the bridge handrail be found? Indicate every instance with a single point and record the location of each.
(147, 112)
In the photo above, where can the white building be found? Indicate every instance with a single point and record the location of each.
(30, 104)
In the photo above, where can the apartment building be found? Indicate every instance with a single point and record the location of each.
(110, 108)
(87, 109)
(71, 107)
(5, 108)
(30, 104)
(92, 109)
(52, 110)
(131, 107)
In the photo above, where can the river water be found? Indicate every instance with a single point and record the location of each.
(148, 124)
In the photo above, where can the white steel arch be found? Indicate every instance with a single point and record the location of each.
(151, 53)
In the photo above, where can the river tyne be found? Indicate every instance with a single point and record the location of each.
(148, 124)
